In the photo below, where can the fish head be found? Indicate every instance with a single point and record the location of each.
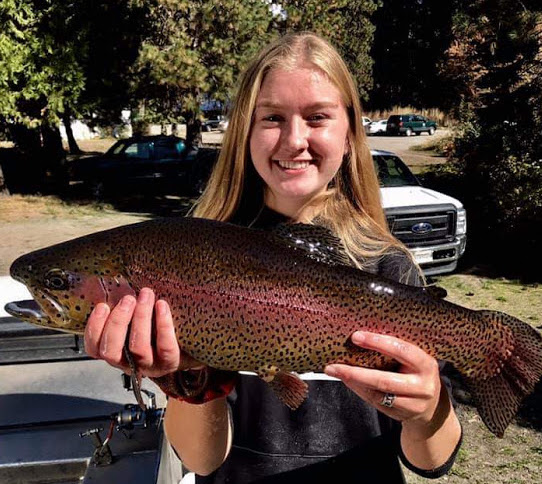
(67, 281)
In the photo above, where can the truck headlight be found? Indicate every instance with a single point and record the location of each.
(461, 226)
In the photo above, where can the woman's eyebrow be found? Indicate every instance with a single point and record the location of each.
(317, 105)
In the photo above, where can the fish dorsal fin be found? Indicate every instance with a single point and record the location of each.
(314, 241)
(436, 291)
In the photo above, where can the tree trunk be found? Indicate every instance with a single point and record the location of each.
(72, 143)
(54, 159)
(140, 127)
(175, 129)
(193, 129)
(23, 170)
(3, 187)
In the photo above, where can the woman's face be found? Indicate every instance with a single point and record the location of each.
(298, 137)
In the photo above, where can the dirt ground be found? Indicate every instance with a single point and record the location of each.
(29, 223)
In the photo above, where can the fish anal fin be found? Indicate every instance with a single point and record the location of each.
(496, 402)
(289, 388)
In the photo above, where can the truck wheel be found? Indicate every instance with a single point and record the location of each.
(97, 190)
(408, 132)
(431, 131)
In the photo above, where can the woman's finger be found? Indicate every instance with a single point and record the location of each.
(406, 353)
(94, 329)
(141, 329)
(167, 347)
(381, 381)
(115, 330)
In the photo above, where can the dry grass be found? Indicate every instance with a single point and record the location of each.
(441, 118)
(18, 207)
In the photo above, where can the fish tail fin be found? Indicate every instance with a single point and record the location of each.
(498, 397)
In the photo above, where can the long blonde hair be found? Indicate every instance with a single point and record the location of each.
(351, 209)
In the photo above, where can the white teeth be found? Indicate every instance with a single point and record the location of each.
(293, 165)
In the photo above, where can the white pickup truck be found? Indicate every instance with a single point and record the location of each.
(431, 224)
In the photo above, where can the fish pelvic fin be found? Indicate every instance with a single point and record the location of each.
(289, 388)
(498, 398)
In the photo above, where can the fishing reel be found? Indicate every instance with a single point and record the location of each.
(126, 421)
(133, 415)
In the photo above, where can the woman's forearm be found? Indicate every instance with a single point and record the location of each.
(200, 434)
(429, 446)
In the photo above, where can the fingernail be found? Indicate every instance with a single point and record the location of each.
(161, 308)
(101, 310)
(144, 296)
(126, 302)
(331, 370)
(358, 337)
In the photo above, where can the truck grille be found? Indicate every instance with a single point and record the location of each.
(424, 225)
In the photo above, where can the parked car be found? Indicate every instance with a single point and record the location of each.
(223, 125)
(409, 124)
(432, 225)
(154, 164)
(210, 124)
(376, 127)
(366, 121)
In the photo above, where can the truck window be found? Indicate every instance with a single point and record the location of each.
(392, 172)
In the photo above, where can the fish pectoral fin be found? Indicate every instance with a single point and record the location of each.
(289, 388)
(436, 291)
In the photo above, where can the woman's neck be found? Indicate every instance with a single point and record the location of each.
(296, 212)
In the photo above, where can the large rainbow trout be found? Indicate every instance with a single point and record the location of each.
(275, 303)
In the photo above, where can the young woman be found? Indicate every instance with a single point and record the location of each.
(295, 151)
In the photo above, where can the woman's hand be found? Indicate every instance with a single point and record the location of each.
(107, 329)
(419, 403)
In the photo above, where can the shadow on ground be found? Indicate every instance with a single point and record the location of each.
(159, 205)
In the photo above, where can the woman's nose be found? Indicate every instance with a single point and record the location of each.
(295, 135)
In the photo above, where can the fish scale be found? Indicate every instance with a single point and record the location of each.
(274, 303)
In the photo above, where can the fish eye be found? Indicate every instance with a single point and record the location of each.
(57, 279)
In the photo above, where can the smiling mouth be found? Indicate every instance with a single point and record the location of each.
(293, 165)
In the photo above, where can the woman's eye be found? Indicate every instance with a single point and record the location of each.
(272, 118)
(317, 117)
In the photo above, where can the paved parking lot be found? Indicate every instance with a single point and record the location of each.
(401, 145)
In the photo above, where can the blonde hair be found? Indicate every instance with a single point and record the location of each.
(352, 209)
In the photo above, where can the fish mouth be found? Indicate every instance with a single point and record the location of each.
(48, 312)
(27, 310)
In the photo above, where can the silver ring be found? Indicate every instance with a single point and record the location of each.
(388, 399)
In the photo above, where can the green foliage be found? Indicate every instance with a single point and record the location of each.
(195, 50)
(495, 65)
(410, 39)
(38, 79)
(345, 23)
